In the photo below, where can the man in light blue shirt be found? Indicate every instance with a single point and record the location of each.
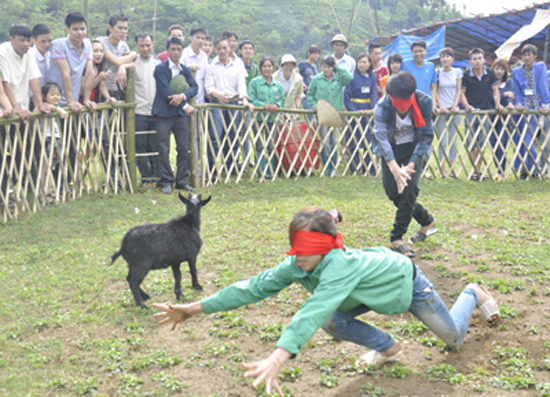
(423, 72)
(42, 40)
(72, 58)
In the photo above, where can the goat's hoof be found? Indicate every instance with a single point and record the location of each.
(197, 287)
(180, 298)
(145, 297)
(144, 307)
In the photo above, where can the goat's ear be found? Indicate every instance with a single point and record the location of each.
(204, 202)
(183, 199)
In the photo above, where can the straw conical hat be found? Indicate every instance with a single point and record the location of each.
(328, 115)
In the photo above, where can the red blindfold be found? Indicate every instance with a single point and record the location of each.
(314, 243)
(404, 104)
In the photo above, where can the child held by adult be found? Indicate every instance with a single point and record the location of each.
(51, 96)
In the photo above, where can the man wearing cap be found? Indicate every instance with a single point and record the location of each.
(403, 132)
(292, 81)
(339, 43)
(170, 110)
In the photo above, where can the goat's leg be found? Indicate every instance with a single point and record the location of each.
(143, 294)
(193, 271)
(177, 281)
(135, 277)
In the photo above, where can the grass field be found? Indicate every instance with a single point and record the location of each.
(69, 325)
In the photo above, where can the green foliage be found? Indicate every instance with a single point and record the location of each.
(370, 390)
(168, 381)
(406, 328)
(291, 374)
(397, 371)
(329, 381)
(276, 27)
(447, 372)
(66, 329)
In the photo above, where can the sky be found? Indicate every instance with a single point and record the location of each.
(485, 7)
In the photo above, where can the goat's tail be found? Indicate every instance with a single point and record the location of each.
(115, 256)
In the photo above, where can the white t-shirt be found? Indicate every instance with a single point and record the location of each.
(118, 51)
(404, 129)
(146, 86)
(448, 86)
(189, 58)
(18, 71)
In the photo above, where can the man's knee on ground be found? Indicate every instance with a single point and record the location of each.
(452, 340)
(332, 325)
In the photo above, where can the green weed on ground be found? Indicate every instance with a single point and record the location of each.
(69, 325)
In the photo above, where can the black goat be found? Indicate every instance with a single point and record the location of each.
(157, 246)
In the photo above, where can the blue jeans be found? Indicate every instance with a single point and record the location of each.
(329, 153)
(305, 105)
(450, 326)
(224, 137)
(474, 127)
(447, 135)
(523, 137)
(499, 142)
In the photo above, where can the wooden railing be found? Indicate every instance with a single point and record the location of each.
(296, 146)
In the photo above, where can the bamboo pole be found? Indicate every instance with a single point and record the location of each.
(546, 45)
(155, 20)
(193, 148)
(130, 121)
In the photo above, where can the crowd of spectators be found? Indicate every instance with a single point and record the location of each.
(86, 72)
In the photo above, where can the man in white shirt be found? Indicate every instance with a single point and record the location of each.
(117, 53)
(226, 84)
(195, 59)
(146, 89)
(339, 43)
(20, 73)
(42, 40)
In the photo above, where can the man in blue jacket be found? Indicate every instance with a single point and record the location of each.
(170, 111)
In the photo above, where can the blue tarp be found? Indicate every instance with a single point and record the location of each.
(487, 33)
(402, 45)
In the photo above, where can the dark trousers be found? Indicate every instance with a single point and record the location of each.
(15, 154)
(407, 206)
(179, 126)
(499, 142)
(145, 144)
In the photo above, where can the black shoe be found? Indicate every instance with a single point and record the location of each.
(166, 189)
(186, 187)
